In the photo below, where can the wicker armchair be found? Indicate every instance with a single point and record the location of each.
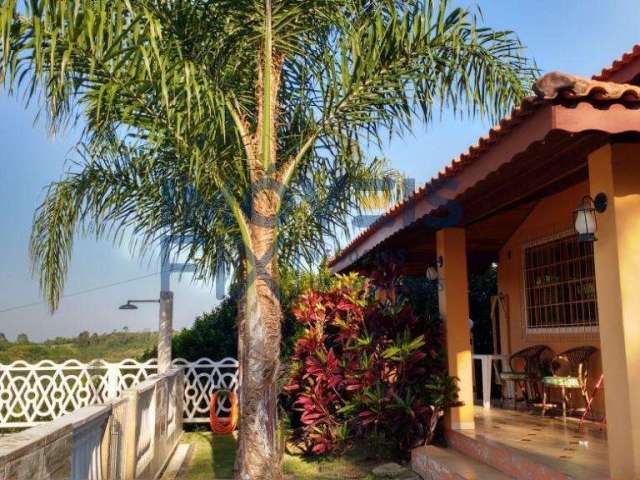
(528, 367)
(570, 372)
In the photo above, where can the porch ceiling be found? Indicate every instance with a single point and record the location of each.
(541, 149)
(417, 244)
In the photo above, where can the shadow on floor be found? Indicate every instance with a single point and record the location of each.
(212, 456)
(223, 455)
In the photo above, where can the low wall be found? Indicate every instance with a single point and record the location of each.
(129, 438)
(155, 425)
(68, 447)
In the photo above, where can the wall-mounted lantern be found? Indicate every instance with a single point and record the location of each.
(585, 222)
(432, 271)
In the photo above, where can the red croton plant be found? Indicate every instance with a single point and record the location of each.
(366, 367)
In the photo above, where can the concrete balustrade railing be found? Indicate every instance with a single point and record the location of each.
(129, 438)
(33, 394)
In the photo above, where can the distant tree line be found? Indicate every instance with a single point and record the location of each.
(86, 346)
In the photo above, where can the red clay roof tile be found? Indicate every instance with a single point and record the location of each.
(619, 64)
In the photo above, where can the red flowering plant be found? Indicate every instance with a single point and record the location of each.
(365, 366)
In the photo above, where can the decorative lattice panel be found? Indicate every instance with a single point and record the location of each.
(35, 393)
(201, 379)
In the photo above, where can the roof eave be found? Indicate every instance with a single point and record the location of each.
(581, 117)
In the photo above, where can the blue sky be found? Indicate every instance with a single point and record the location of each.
(574, 36)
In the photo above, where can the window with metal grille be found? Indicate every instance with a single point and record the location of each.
(560, 286)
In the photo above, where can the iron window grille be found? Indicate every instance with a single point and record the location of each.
(559, 285)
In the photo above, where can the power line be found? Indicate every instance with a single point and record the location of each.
(81, 292)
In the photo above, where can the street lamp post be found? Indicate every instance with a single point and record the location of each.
(165, 320)
(165, 331)
(166, 303)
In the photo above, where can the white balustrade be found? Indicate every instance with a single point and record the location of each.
(201, 379)
(31, 394)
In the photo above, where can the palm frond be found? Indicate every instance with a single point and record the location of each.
(175, 103)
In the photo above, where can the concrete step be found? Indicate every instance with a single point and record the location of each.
(523, 462)
(437, 463)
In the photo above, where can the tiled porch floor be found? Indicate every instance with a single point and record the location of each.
(558, 444)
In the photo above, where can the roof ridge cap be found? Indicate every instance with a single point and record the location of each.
(554, 84)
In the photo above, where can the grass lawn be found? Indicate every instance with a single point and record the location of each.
(213, 456)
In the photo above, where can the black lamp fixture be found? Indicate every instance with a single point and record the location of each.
(584, 217)
(130, 305)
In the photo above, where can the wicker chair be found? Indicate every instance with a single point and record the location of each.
(528, 367)
(570, 372)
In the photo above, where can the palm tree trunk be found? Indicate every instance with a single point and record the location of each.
(258, 454)
(240, 321)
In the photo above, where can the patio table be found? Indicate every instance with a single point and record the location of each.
(487, 363)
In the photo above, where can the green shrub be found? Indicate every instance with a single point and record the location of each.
(213, 335)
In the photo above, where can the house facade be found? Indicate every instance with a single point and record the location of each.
(552, 196)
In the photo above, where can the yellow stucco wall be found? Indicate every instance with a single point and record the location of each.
(552, 215)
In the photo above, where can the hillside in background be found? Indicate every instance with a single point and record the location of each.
(114, 346)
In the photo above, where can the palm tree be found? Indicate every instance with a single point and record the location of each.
(255, 100)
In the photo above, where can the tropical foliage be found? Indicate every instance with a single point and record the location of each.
(366, 367)
(233, 124)
(214, 334)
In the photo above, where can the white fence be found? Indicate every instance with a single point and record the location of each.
(31, 394)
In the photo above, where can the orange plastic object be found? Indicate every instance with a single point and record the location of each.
(223, 424)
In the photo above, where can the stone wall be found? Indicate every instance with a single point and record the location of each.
(129, 438)
(61, 449)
